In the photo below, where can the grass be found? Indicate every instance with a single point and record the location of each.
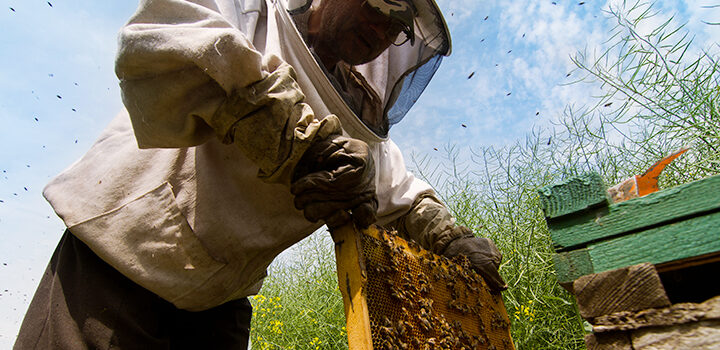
(300, 306)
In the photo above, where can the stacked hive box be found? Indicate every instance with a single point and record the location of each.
(645, 272)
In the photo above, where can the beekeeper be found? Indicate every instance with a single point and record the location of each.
(248, 125)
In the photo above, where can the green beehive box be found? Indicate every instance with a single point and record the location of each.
(590, 234)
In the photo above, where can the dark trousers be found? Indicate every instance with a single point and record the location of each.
(84, 303)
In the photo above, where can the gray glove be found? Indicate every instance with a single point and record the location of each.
(483, 255)
(334, 181)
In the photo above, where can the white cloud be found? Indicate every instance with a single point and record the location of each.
(700, 14)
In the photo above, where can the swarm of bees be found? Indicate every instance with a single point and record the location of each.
(419, 300)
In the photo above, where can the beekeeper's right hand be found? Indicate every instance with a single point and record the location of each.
(334, 181)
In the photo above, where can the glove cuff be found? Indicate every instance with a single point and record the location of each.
(450, 236)
(278, 91)
(271, 125)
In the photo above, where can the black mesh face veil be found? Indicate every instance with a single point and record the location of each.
(399, 75)
(410, 89)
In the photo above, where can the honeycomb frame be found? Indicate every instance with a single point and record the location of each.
(409, 298)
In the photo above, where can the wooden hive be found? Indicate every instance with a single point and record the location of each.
(400, 296)
(644, 271)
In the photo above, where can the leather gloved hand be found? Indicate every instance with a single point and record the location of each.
(483, 255)
(334, 181)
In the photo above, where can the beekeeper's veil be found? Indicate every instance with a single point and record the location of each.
(400, 74)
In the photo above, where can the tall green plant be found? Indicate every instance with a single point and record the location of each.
(300, 306)
(660, 93)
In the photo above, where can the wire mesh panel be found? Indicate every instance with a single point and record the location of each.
(420, 300)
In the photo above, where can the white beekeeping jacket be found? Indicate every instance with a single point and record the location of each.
(162, 199)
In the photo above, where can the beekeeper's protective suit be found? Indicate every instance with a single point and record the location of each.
(220, 161)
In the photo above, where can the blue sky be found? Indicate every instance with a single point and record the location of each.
(58, 91)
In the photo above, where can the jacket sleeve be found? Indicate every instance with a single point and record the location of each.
(409, 205)
(186, 75)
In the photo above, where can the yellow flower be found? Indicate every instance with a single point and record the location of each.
(276, 326)
(316, 341)
(525, 311)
